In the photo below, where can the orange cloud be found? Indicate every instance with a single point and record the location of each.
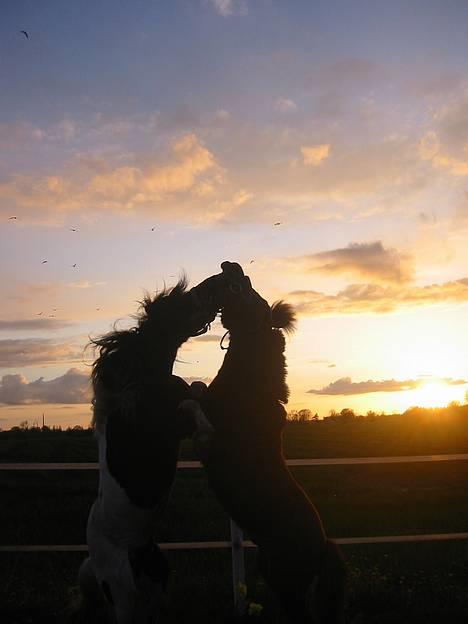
(315, 154)
(122, 188)
(345, 386)
(370, 260)
(377, 299)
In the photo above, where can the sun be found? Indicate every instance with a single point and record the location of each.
(433, 394)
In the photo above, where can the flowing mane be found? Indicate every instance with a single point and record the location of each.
(126, 356)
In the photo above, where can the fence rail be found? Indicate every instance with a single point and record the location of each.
(326, 461)
(237, 543)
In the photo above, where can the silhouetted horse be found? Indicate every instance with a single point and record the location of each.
(245, 462)
(139, 425)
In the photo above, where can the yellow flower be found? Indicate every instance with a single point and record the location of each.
(255, 608)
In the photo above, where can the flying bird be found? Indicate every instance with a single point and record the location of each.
(25, 33)
(12, 218)
(39, 314)
(72, 229)
(252, 261)
(277, 223)
(74, 265)
(152, 229)
(44, 261)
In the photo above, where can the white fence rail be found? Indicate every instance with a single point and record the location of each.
(237, 543)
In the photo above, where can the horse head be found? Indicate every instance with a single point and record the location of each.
(245, 311)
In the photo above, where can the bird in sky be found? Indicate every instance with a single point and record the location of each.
(72, 229)
(12, 218)
(98, 308)
(74, 265)
(25, 33)
(277, 223)
(39, 314)
(44, 261)
(252, 261)
(152, 229)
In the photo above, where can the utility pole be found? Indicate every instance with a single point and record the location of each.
(43, 425)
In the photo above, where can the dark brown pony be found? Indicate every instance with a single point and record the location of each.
(245, 462)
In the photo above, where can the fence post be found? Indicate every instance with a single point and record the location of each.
(238, 569)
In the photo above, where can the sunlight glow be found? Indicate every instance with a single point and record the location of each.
(434, 394)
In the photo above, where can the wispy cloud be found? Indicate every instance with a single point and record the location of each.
(345, 386)
(84, 284)
(377, 299)
(315, 154)
(43, 324)
(72, 387)
(285, 105)
(138, 185)
(369, 260)
(37, 351)
(227, 8)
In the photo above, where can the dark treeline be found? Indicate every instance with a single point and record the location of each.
(453, 411)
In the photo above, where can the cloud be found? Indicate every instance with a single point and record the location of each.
(207, 338)
(138, 185)
(314, 154)
(19, 134)
(223, 115)
(357, 72)
(284, 105)
(43, 324)
(431, 150)
(84, 284)
(34, 351)
(377, 299)
(73, 387)
(369, 260)
(226, 8)
(345, 386)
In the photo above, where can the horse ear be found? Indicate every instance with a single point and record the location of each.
(283, 316)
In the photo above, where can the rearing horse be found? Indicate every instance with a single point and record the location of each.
(139, 425)
(245, 462)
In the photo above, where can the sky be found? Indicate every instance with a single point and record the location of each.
(140, 140)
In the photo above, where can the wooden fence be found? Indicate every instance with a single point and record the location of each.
(237, 543)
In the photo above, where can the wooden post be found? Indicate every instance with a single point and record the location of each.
(238, 569)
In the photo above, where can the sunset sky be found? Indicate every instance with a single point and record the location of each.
(140, 139)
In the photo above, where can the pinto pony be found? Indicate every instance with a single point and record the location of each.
(245, 462)
(139, 424)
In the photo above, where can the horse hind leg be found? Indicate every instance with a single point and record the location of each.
(318, 599)
(95, 606)
(88, 583)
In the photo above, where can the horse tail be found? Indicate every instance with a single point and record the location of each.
(283, 316)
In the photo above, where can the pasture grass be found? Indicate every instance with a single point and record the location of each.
(404, 583)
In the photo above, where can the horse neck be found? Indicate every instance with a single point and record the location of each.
(258, 359)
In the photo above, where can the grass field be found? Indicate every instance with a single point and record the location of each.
(420, 582)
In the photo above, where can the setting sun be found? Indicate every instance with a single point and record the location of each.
(434, 394)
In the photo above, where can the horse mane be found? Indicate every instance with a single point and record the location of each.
(283, 316)
(123, 354)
